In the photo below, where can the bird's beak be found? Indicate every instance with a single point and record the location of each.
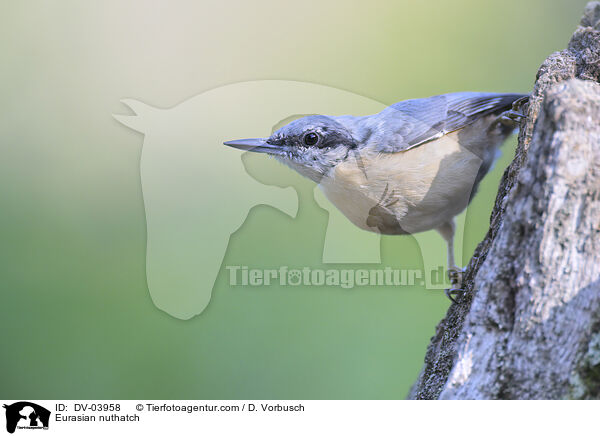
(259, 145)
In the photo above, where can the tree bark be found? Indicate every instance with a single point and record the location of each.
(529, 326)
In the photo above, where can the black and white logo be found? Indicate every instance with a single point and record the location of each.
(26, 415)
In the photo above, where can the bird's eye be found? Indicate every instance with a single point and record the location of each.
(311, 138)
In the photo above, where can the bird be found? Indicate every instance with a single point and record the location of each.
(410, 168)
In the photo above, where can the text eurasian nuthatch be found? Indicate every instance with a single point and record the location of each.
(410, 168)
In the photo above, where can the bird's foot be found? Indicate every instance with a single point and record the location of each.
(513, 117)
(456, 277)
(517, 105)
(510, 118)
(451, 293)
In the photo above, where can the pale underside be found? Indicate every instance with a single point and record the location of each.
(414, 190)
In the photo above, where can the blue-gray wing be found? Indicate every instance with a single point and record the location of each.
(413, 122)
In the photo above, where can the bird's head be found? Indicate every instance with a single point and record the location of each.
(311, 145)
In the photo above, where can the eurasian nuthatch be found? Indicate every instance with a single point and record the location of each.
(410, 168)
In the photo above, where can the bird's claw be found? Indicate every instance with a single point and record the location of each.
(450, 293)
(510, 118)
(513, 116)
(456, 277)
(519, 103)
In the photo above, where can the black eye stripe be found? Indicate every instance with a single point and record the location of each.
(320, 137)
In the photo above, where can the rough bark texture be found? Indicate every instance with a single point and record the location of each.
(529, 327)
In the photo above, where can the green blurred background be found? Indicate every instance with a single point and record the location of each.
(76, 317)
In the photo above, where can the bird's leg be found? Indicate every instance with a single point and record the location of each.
(455, 274)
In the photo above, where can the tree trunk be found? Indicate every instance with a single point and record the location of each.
(529, 326)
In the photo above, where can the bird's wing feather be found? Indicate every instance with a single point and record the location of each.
(422, 120)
